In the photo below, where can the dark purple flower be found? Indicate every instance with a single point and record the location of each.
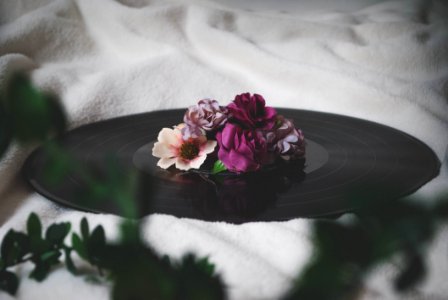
(286, 140)
(207, 115)
(250, 111)
(241, 150)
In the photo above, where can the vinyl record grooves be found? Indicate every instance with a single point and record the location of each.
(346, 157)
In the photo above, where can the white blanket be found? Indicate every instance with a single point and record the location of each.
(382, 61)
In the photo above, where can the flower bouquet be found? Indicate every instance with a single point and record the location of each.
(244, 136)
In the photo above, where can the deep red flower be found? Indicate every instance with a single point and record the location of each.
(250, 111)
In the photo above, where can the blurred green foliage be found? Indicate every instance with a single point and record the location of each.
(134, 269)
(345, 251)
(27, 114)
(136, 272)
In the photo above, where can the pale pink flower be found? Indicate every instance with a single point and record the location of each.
(171, 148)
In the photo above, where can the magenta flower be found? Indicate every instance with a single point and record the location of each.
(286, 140)
(207, 115)
(250, 111)
(241, 150)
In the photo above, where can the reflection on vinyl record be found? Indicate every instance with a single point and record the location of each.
(343, 155)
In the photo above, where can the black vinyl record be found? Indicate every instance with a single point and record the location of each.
(345, 156)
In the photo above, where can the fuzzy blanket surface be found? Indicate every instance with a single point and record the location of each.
(384, 61)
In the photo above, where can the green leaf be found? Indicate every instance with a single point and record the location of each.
(166, 259)
(413, 272)
(57, 114)
(56, 233)
(98, 236)
(206, 266)
(79, 246)
(9, 282)
(114, 185)
(40, 272)
(203, 264)
(50, 257)
(84, 229)
(69, 262)
(5, 130)
(34, 227)
(39, 245)
(96, 244)
(195, 280)
(59, 164)
(130, 232)
(95, 279)
(22, 241)
(14, 246)
(34, 115)
(10, 253)
(7, 247)
(218, 167)
(13, 257)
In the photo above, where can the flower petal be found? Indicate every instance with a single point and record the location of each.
(169, 136)
(228, 135)
(208, 147)
(162, 150)
(242, 163)
(197, 162)
(270, 112)
(244, 149)
(291, 138)
(165, 163)
(182, 164)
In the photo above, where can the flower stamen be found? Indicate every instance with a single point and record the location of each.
(189, 150)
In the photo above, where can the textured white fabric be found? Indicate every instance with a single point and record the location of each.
(382, 61)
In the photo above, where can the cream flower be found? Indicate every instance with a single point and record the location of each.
(185, 154)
